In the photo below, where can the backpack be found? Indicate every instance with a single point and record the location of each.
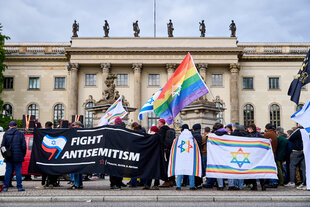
(170, 136)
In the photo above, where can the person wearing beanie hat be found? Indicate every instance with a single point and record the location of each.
(117, 121)
(161, 122)
(154, 129)
(16, 140)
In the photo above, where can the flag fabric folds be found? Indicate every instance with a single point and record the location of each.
(301, 79)
(184, 87)
(303, 116)
(148, 106)
(185, 156)
(236, 157)
(115, 110)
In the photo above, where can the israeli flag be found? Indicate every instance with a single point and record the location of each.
(303, 116)
(148, 106)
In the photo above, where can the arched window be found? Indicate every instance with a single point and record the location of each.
(152, 120)
(89, 115)
(219, 116)
(7, 110)
(59, 114)
(33, 109)
(248, 114)
(299, 106)
(275, 115)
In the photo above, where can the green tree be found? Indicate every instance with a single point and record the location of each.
(4, 120)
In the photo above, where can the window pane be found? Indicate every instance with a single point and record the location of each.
(33, 109)
(248, 114)
(34, 83)
(58, 114)
(275, 115)
(89, 117)
(7, 110)
(122, 79)
(219, 116)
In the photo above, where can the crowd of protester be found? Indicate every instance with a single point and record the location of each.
(287, 150)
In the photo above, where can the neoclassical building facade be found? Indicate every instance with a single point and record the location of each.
(54, 81)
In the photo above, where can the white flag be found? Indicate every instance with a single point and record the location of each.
(148, 106)
(303, 116)
(115, 110)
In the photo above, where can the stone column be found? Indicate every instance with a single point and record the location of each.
(170, 70)
(137, 68)
(202, 68)
(105, 72)
(73, 89)
(234, 92)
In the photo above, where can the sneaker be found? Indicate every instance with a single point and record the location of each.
(178, 188)
(301, 187)
(155, 187)
(21, 189)
(290, 184)
(40, 187)
(73, 187)
(5, 189)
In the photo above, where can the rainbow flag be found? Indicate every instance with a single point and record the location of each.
(114, 111)
(236, 157)
(185, 156)
(184, 87)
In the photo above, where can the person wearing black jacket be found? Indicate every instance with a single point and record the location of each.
(16, 140)
(297, 157)
(197, 135)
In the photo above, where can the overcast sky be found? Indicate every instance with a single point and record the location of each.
(256, 20)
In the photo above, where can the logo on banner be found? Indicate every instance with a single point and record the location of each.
(53, 144)
(185, 146)
(244, 157)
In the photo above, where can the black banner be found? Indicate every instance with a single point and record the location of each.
(107, 149)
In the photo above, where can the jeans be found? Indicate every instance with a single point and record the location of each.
(210, 182)
(231, 182)
(295, 159)
(240, 183)
(10, 168)
(191, 181)
(78, 180)
(204, 164)
(72, 177)
(220, 182)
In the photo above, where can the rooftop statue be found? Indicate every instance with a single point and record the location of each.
(136, 29)
(202, 28)
(232, 28)
(106, 28)
(170, 28)
(75, 29)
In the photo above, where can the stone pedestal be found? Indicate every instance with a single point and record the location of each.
(73, 89)
(200, 113)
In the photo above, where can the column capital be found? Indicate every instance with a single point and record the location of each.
(137, 67)
(202, 67)
(105, 67)
(72, 66)
(171, 67)
(234, 67)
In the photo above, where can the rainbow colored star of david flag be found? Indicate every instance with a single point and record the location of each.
(185, 156)
(114, 111)
(240, 158)
(184, 87)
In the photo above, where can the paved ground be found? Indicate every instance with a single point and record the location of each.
(98, 191)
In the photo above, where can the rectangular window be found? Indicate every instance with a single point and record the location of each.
(247, 83)
(122, 80)
(153, 79)
(60, 83)
(273, 83)
(217, 79)
(34, 83)
(90, 80)
(8, 83)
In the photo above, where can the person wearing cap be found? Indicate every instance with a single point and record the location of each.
(167, 143)
(78, 177)
(16, 139)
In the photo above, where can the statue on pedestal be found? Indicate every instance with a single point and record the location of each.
(75, 29)
(170, 28)
(232, 28)
(202, 28)
(106, 28)
(136, 29)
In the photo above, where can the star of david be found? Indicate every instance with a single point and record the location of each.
(53, 142)
(151, 100)
(108, 115)
(183, 149)
(240, 152)
(176, 89)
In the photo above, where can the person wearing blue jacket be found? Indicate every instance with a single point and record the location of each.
(16, 139)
